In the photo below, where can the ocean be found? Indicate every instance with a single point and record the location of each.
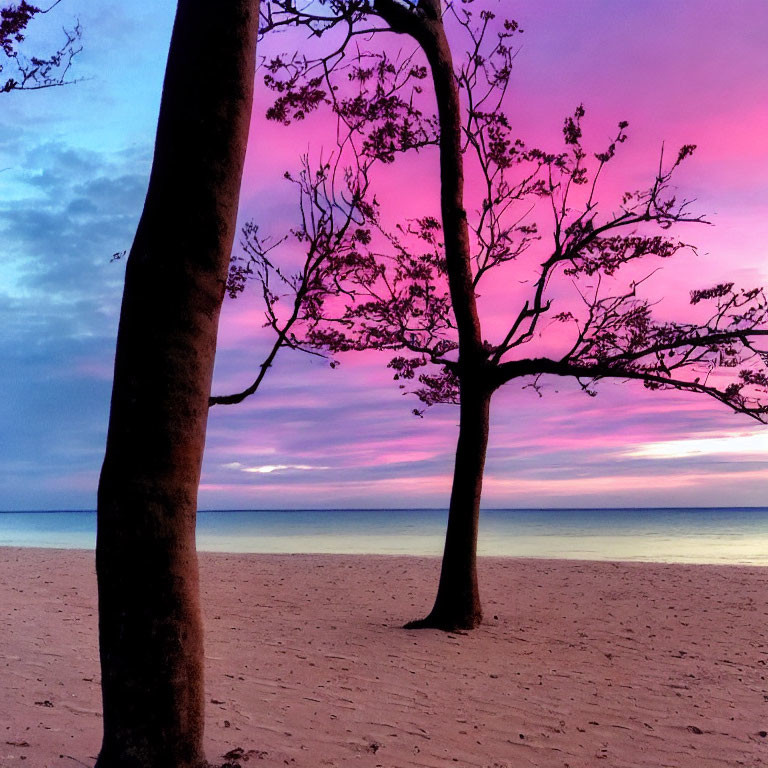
(707, 535)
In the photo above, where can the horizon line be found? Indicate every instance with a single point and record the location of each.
(416, 509)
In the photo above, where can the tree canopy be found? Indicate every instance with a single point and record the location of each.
(367, 285)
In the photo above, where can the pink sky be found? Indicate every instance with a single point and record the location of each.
(75, 168)
(680, 73)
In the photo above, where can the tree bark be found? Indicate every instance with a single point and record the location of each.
(457, 605)
(150, 627)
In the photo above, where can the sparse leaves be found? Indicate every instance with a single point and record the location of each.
(716, 292)
(33, 72)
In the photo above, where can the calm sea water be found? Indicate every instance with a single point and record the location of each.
(733, 535)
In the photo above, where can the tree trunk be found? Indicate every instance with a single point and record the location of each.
(458, 602)
(458, 248)
(457, 605)
(150, 627)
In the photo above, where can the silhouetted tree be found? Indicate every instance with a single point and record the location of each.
(150, 628)
(415, 290)
(32, 73)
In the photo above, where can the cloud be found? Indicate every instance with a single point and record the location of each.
(63, 212)
(741, 445)
(268, 469)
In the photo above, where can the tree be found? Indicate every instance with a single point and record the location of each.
(33, 73)
(150, 628)
(419, 296)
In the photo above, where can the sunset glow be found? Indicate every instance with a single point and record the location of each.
(74, 171)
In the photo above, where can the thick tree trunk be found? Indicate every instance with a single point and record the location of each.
(457, 605)
(150, 628)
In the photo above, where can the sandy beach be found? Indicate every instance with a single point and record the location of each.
(577, 664)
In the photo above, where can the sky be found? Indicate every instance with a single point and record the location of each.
(74, 164)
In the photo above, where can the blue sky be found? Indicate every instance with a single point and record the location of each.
(74, 163)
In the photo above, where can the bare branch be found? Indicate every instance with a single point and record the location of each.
(34, 72)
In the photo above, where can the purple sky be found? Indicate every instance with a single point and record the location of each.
(75, 166)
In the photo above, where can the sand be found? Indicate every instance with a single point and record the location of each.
(578, 664)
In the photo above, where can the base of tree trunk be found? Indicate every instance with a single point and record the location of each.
(119, 763)
(447, 623)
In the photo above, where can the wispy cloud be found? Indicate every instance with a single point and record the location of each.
(268, 469)
(739, 444)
